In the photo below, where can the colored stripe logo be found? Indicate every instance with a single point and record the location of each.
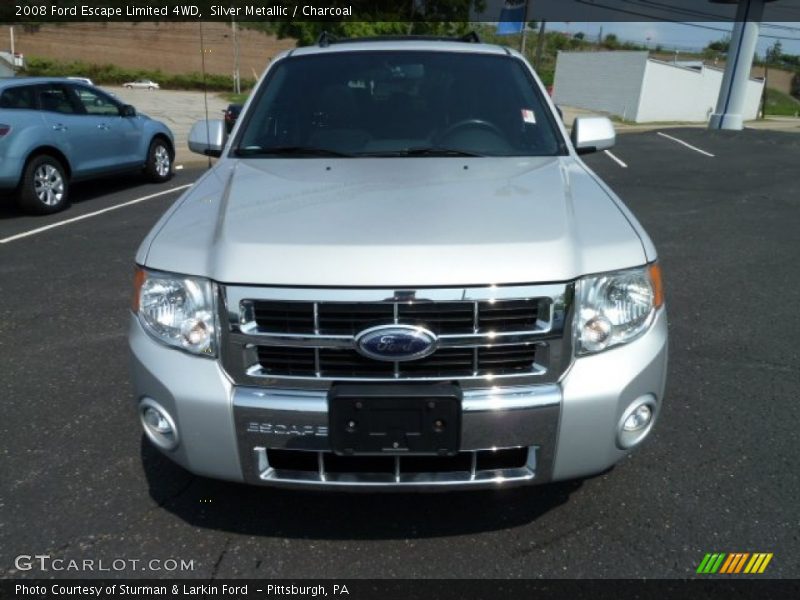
(734, 563)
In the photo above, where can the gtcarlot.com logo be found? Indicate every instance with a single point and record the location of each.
(734, 563)
(45, 562)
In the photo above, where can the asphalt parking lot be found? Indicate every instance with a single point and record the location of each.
(719, 473)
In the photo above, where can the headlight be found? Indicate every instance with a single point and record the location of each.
(177, 310)
(616, 308)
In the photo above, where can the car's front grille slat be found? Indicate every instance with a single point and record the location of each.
(284, 317)
(467, 462)
(349, 363)
(442, 318)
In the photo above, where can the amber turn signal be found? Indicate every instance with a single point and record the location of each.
(654, 271)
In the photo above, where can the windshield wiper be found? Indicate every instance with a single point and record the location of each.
(288, 151)
(422, 151)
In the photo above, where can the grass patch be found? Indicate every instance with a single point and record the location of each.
(235, 98)
(781, 104)
(111, 74)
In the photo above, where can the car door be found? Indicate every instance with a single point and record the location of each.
(79, 135)
(22, 129)
(122, 135)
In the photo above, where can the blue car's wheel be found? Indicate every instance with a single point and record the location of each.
(44, 187)
(159, 161)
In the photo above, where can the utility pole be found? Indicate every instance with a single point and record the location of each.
(237, 87)
(11, 32)
(766, 84)
(539, 45)
(524, 29)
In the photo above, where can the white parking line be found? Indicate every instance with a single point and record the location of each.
(31, 232)
(616, 159)
(695, 148)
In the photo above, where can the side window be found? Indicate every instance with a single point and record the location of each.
(54, 98)
(95, 102)
(21, 98)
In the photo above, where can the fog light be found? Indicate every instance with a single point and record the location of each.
(636, 421)
(156, 420)
(158, 424)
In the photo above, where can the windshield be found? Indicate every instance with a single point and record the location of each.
(391, 103)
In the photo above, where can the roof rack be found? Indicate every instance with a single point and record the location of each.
(325, 39)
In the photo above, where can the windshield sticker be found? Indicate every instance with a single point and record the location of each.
(528, 116)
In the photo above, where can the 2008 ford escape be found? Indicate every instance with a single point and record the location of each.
(399, 274)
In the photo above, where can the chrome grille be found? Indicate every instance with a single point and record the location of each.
(349, 318)
(306, 337)
(447, 362)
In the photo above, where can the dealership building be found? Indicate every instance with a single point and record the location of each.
(637, 88)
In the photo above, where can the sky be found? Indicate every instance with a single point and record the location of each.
(685, 36)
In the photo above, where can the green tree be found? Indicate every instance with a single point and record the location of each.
(611, 41)
(397, 17)
(774, 53)
(720, 45)
(307, 32)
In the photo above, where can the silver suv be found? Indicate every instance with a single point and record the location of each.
(399, 274)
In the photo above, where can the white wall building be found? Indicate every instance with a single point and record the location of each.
(638, 88)
(9, 63)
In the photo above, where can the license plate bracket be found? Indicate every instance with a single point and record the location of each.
(395, 419)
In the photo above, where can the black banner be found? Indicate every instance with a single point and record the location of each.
(419, 589)
(32, 11)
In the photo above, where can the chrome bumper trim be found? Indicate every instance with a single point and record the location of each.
(397, 481)
(485, 399)
(502, 417)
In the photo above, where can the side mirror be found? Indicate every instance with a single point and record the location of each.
(207, 137)
(592, 134)
(127, 111)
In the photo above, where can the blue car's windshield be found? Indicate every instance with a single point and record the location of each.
(409, 103)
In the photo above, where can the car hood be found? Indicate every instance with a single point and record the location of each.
(395, 222)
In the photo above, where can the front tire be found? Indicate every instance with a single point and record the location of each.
(44, 188)
(159, 161)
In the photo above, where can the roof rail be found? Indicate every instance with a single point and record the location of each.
(472, 37)
(325, 39)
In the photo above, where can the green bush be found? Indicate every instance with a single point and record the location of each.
(113, 75)
(781, 104)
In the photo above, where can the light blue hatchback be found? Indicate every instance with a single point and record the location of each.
(54, 131)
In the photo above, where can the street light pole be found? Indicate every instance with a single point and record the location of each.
(237, 87)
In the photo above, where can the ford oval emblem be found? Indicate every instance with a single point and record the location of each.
(396, 342)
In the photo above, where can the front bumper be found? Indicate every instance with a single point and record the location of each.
(567, 429)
